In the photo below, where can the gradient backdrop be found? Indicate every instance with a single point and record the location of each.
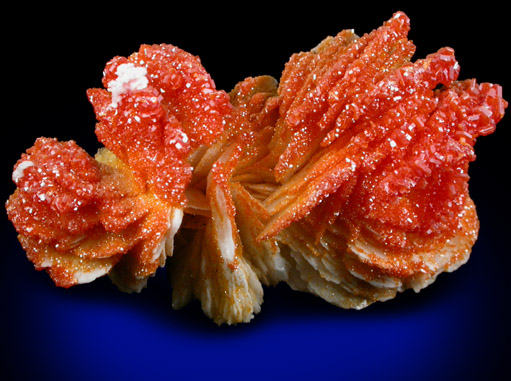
(458, 328)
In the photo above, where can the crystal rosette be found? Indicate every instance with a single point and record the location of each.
(347, 178)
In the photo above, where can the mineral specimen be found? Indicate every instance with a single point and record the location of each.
(346, 179)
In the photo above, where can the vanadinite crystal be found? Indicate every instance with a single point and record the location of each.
(348, 178)
(58, 185)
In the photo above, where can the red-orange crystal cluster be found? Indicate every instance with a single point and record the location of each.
(60, 182)
(348, 178)
(166, 106)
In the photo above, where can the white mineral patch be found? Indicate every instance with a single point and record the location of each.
(129, 78)
(88, 276)
(224, 229)
(20, 169)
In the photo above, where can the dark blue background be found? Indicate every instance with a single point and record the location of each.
(458, 328)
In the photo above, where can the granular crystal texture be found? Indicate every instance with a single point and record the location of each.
(347, 178)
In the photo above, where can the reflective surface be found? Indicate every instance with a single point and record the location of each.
(456, 328)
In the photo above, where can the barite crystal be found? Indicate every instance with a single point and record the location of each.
(347, 178)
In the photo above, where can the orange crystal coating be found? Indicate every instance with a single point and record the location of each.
(320, 90)
(187, 89)
(73, 214)
(154, 127)
(358, 157)
(382, 143)
(57, 188)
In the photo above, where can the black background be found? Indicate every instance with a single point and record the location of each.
(51, 55)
